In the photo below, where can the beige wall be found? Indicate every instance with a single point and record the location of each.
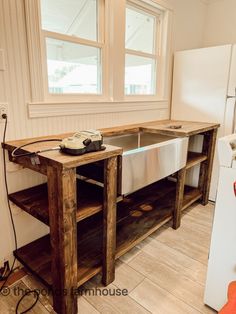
(220, 27)
(189, 20)
(15, 90)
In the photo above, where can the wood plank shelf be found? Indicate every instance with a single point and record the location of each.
(36, 256)
(138, 215)
(35, 201)
(137, 218)
(195, 159)
(191, 195)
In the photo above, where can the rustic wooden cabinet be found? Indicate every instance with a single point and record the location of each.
(89, 226)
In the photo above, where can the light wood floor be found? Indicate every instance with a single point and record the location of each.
(164, 274)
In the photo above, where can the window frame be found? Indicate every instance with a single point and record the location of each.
(140, 6)
(100, 44)
(113, 53)
(144, 6)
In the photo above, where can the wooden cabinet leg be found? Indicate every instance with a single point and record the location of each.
(179, 198)
(63, 234)
(109, 220)
(209, 143)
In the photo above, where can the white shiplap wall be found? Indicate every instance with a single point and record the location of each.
(15, 90)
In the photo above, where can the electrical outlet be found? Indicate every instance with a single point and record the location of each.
(3, 110)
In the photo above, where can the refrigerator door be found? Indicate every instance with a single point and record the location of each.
(222, 259)
(230, 113)
(200, 86)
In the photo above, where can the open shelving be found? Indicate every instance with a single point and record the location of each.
(194, 159)
(138, 215)
(191, 195)
(94, 228)
(35, 201)
(137, 218)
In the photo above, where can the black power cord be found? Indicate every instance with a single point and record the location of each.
(22, 298)
(4, 116)
(14, 155)
(35, 292)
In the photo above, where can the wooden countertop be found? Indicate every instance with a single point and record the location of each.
(188, 128)
(59, 159)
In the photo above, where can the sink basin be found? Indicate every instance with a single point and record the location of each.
(136, 140)
(148, 157)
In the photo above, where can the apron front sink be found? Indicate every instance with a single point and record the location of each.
(147, 158)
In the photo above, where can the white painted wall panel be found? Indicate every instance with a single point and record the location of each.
(15, 90)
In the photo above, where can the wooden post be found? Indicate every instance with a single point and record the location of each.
(109, 219)
(63, 234)
(179, 198)
(208, 149)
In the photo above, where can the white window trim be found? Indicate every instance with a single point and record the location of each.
(101, 43)
(75, 40)
(38, 60)
(43, 110)
(113, 72)
(162, 51)
(144, 7)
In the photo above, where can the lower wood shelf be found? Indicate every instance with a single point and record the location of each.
(138, 215)
(36, 257)
(191, 195)
(35, 201)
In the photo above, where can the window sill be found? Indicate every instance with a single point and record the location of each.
(57, 109)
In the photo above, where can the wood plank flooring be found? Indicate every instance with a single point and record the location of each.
(163, 274)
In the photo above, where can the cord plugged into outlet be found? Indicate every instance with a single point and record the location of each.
(4, 117)
(3, 112)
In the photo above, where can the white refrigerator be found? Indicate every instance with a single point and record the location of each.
(204, 82)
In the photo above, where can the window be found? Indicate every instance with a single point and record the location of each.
(73, 46)
(141, 43)
(88, 51)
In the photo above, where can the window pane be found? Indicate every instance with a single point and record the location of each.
(73, 68)
(140, 74)
(70, 17)
(140, 30)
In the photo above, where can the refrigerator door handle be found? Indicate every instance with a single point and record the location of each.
(229, 96)
(235, 188)
(234, 111)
